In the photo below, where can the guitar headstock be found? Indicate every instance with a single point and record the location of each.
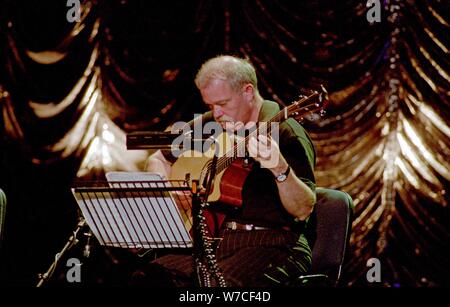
(310, 106)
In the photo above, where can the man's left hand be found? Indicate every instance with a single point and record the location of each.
(267, 152)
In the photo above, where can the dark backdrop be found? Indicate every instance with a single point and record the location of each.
(69, 92)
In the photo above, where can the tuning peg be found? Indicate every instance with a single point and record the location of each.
(324, 92)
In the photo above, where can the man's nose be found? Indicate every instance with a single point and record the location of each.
(217, 111)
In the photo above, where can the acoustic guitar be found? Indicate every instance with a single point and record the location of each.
(225, 160)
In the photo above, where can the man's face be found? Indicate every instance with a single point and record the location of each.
(226, 104)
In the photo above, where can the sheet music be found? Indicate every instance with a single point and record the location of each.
(142, 218)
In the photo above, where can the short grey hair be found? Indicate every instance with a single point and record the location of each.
(236, 71)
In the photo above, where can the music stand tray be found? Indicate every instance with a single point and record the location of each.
(136, 210)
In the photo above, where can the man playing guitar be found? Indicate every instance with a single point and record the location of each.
(262, 240)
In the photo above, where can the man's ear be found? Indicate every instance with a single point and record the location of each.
(249, 92)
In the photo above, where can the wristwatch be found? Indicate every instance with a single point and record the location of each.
(283, 176)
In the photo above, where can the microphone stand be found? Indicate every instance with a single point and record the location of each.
(204, 257)
(70, 243)
(200, 232)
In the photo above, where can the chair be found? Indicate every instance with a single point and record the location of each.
(328, 233)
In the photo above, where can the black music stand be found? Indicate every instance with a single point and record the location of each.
(136, 213)
(141, 213)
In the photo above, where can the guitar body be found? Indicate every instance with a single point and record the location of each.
(232, 182)
(227, 185)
